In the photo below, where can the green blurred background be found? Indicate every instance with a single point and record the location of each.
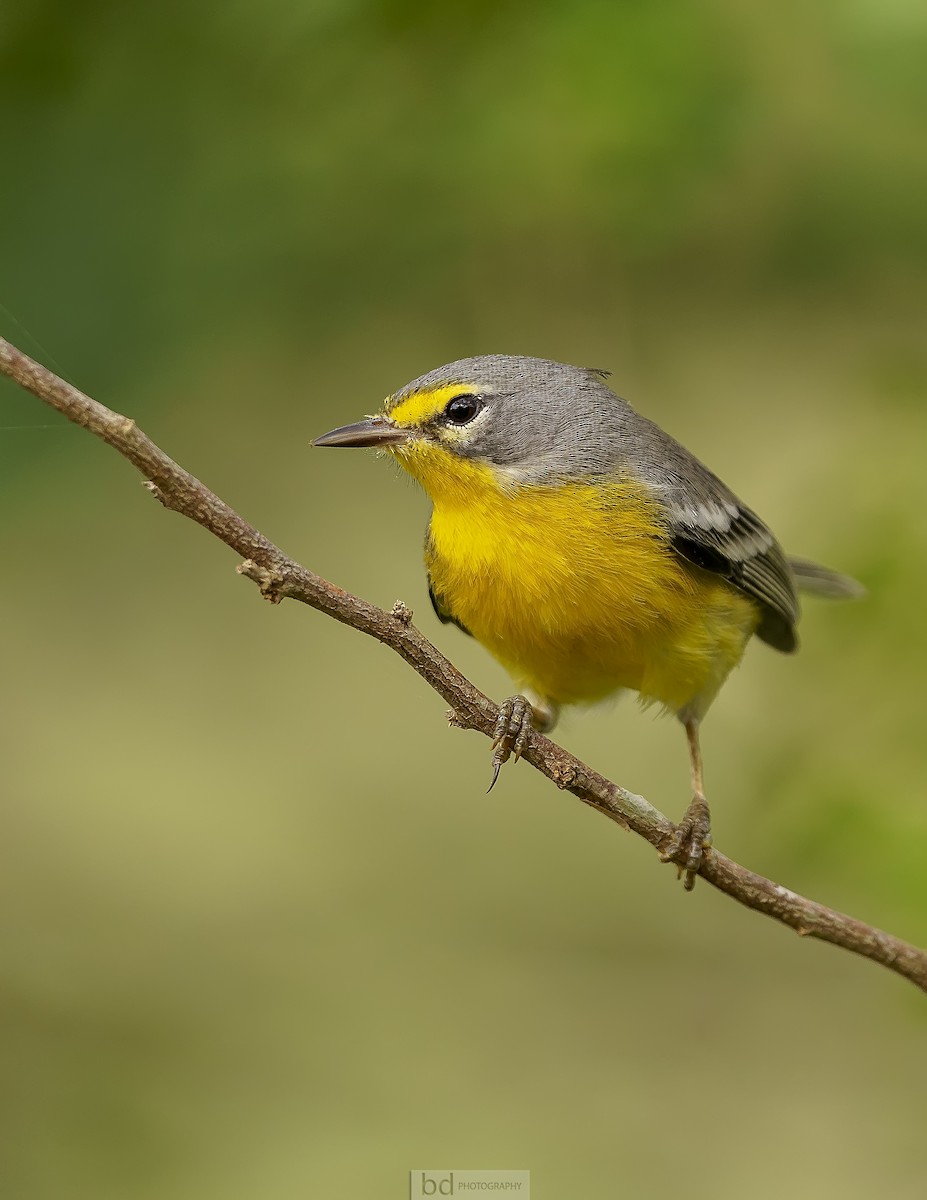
(263, 934)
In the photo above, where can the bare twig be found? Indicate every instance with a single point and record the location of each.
(279, 577)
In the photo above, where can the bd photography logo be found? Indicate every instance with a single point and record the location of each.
(469, 1183)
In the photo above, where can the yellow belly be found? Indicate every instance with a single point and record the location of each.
(576, 591)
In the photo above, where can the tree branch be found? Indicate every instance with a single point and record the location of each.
(279, 577)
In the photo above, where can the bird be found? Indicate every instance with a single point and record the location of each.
(587, 550)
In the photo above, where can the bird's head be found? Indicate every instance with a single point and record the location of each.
(498, 418)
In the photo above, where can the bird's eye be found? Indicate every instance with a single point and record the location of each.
(462, 409)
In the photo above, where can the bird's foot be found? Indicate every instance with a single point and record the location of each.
(510, 737)
(691, 838)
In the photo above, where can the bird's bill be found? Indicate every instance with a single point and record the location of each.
(375, 431)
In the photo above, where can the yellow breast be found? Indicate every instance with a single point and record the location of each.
(576, 590)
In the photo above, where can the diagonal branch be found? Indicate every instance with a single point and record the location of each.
(279, 577)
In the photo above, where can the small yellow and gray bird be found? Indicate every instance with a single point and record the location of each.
(587, 550)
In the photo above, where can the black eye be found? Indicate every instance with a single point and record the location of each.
(462, 409)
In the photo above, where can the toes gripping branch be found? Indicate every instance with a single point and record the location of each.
(692, 837)
(510, 737)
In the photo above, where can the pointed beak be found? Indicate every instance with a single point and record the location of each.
(375, 431)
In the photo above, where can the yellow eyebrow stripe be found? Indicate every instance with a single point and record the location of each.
(420, 407)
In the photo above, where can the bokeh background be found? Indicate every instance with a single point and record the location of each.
(263, 934)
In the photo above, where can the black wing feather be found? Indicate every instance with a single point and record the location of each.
(443, 612)
(743, 551)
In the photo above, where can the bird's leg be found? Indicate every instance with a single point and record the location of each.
(693, 833)
(517, 717)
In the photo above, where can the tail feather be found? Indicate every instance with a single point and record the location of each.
(815, 580)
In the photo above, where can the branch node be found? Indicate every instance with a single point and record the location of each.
(401, 613)
(455, 720)
(271, 584)
(150, 486)
(564, 774)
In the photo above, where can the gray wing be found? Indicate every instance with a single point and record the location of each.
(745, 553)
(711, 528)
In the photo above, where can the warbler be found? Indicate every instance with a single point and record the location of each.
(586, 549)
